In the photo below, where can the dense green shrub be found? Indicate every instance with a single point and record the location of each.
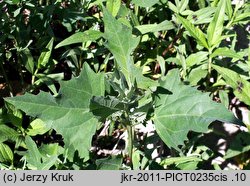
(122, 84)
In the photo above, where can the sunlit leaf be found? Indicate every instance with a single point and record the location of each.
(34, 157)
(113, 6)
(229, 9)
(202, 16)
(183, 5)
(215, 28)
(165, 25)
(7, 133)
(225, 52)
(179, 160)
(45, 55)
(242, 16)
(240, 85)
(37, 127)
(80, 37)
(145, 3)
(69, 113)
(6, 154)
(194, 31)
(121, 43)
(181, 108)
(196, 58)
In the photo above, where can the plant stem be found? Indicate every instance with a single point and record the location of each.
(137, 12)
(209, 67)
(130, 142)
(170, 46)
(209, 64)
(33, 77)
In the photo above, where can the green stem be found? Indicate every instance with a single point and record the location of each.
(137, 12)
(233, 17)
(209, 67)
(209, 64)
(33, 77)
(130, 142)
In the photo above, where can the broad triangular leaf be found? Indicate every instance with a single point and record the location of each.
(34, 157)
(68, 114)
(240, 145)
(181, 108)
(103, 107)
(121, 43)
(110, 163)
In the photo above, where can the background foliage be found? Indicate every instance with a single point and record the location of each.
(112, 84)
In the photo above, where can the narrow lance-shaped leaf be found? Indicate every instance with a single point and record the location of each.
(225, 52)
(6, 154)
(28, 60)
(240, 86)
(201, 16)
(121, 43)
(179, 160)
(194, 31)
(215, 28)
(69, 113)
(81, 37)
(113, 6)
(7, 133)
(183, 5)
(181, 108)
(196, 58)
(242, 16)
(145, 3)
(172, 7)
(45, 55)
(165, 25)
(229, 9)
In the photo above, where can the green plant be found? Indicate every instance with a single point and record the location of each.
(126, 77)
